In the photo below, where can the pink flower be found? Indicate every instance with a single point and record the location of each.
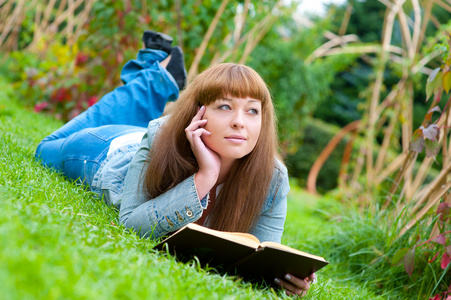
(40, 106)
(61, 95)
(81, 59)
(92, 100)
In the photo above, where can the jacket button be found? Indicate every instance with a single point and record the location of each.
(189, 213)
(179, 217)
(170, 223)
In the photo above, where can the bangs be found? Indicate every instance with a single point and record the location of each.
(231, 80)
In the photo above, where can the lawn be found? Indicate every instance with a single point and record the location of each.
(59, 242)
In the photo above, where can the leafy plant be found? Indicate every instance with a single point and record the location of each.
(429, 137)
(300, 89)
(387, 124)
(100, 36)
(59, 83)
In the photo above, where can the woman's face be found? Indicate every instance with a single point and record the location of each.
(234, 124)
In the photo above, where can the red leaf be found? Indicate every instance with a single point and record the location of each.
(92, 100)
(441, 239)
(399, 256)
(60, 95)
(429, 114)
(436, 297)
(40, 106)
(443, 211)
(435, 256)
(432, 148)
(409, 262)
(417, 142)
(435, 108)
(445, 260)
(81, 58)
(448, 250)
(432, 132)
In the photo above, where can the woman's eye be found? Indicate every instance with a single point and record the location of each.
(224, 107)
(253, 111)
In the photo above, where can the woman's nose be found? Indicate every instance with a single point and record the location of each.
(238, 120)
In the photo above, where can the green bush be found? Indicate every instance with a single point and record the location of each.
(317, 135)
(64, 77)
(298, 88)
(59, 82)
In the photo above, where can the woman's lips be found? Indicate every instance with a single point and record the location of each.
(236, 139)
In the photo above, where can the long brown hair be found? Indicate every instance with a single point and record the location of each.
(171, 159)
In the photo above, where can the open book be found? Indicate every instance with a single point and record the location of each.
(241, 252)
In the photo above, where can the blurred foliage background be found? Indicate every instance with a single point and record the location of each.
(64, 55)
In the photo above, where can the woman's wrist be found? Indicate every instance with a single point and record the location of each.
(204, 183)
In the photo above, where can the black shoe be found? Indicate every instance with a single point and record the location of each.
(157, 41)
(176, 67)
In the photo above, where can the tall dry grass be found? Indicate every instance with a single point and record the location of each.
(392, 116)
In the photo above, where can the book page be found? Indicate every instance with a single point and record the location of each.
(244, 235)
(246, 239)
(292, 250)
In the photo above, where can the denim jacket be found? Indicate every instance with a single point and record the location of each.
(119, 178)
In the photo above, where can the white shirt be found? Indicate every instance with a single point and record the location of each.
(126, 139)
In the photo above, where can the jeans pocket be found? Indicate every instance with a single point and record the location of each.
(109, 132)
(104, 133)
(89, 170)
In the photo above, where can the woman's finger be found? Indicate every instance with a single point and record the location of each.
(312, 279)
(290, 287)
(300, 283)
(196, 141)
(193, 127)
(199, 132)
(200, 114)
(196, 124)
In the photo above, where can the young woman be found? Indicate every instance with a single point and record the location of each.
(213, 160)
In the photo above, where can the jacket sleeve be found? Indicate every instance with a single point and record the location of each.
(163, 214)
(270, 224)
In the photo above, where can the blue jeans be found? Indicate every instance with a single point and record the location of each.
(78, 148)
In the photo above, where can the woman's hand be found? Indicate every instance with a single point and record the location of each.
(208, 160)
(296, 286)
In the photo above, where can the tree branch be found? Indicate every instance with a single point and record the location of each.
(200, 52)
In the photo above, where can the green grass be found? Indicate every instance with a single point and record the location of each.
(361, 247)
(57, 241)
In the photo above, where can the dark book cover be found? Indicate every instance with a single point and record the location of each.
(240, 255)
(267, 263)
